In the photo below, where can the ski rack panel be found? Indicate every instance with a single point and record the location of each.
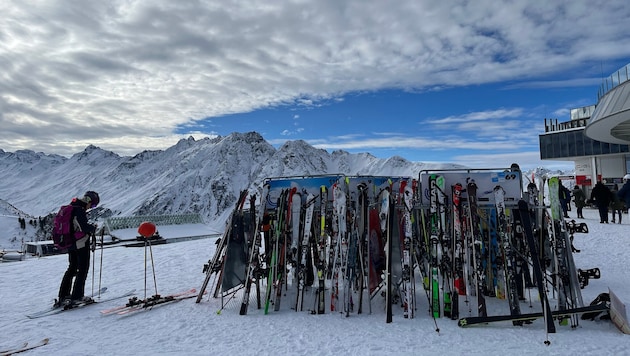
(311, 185)
(486, 180)
(308, 184)
(618, 313)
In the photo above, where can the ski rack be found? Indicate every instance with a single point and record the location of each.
(372, 230)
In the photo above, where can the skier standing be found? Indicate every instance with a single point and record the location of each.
(601, 196)
(73, 281)
(616, 205)
(579, 198)
(624, 192)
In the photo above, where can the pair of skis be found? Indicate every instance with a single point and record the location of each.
(615, 307)
(529, 317)
(24, 347)
(276, 265)
(408, 300)
(302, 273)
(60, 309)
(216, 264)
(135, 305)
(509, 259)
(253, 264)
(517, 318)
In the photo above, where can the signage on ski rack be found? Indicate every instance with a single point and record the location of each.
(486, 181)
(310, 185)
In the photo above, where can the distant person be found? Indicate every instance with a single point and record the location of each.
(624, 192)
(72, 286)
(579, 199)
(601, 196)
(616, 205)
(565, 198)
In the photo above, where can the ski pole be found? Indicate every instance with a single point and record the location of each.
(100, 272)
(153, 268)
(93, 247)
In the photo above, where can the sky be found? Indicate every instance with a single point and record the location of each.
(455, 82)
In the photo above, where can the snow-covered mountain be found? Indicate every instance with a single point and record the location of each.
(193, 176)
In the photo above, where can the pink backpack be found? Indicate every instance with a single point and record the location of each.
(63, 230)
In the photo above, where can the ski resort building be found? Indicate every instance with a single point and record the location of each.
(597, 137)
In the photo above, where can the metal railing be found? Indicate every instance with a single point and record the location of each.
(552, 125)
(128, 222)
(614, 80)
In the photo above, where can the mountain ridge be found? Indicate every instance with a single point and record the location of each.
(193, 176)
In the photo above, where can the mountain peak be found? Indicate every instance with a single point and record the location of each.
(193, 176)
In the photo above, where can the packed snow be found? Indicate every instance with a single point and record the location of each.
(187, 328)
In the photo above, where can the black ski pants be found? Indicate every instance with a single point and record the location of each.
(78, 266)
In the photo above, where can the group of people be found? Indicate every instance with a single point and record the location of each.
(616, 200)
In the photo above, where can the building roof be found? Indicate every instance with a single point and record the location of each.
(610, 122)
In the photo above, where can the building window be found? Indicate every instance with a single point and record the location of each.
(588, 146)
(579, 143)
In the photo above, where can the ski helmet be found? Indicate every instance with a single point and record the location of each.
(92, 197)
(626, 177)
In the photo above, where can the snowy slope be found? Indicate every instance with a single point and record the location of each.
(203, 176)
(11, 234)
(187, 328)
(193, 176)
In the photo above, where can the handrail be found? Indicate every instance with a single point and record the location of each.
(614, 80)
(128, 222)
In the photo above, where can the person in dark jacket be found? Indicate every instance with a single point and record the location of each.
(73, 282)
(624, 192)
(565, 198)
(579, 199)
(602, 197)
(616, 205)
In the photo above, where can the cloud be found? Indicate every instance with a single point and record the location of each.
(411, 142)
(93, 71)
(478, 116)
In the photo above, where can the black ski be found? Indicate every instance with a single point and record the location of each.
(477, 248)
(506, 242)
(433, 244)
(523, 208)
(387, 208)
(253, 265)
(321, 261)
(135, 305)
(25, 347)
(58, 310)
(558, 314)
(214, 265)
